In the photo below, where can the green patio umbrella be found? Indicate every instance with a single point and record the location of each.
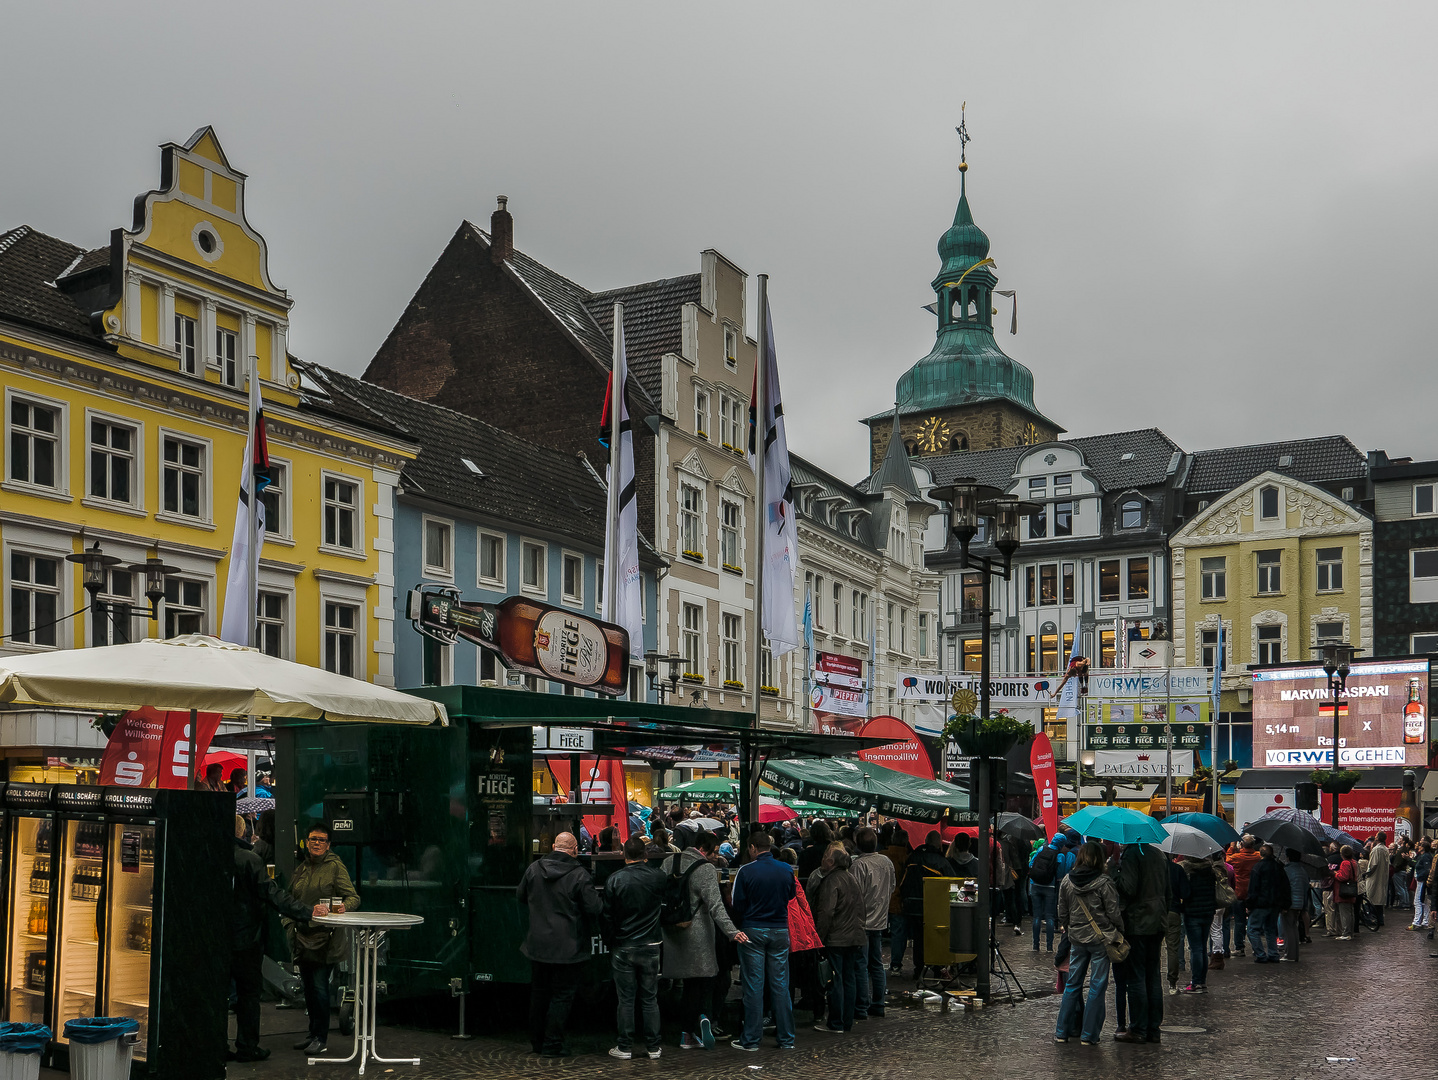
(854, 785)
(708, 787)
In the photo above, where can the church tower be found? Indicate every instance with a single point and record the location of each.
(966, 394)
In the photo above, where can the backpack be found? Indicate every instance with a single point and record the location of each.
(676, 909)
(1045, 866)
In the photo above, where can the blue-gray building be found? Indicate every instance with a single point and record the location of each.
(493, 515)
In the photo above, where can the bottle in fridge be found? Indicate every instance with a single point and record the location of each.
(29, 945)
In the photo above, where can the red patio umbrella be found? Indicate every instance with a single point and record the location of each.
(772, 810)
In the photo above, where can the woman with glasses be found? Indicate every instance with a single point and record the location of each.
(316, 949)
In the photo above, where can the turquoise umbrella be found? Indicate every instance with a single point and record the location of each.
(1116, 823)
(1216, 827)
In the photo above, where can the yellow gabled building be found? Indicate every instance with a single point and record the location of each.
(124, 371)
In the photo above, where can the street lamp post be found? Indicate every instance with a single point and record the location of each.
(96, 566)
(968, 501)
(652, 660)
(1336, 660)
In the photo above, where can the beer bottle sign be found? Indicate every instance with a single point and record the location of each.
(1415, 722)
(529, 636)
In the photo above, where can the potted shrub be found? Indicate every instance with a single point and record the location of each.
(1339, 782)
(993, 736)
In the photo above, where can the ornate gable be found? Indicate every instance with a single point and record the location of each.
(1303, 508)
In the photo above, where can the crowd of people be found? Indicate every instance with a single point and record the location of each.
(804, 914)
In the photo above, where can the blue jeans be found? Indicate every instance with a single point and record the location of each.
(1263, 922)
(764, 958)
(1196, 930)
(1045, 902)
(1084, 956)
(636, 972)
(898, 940)
(873, 977)
(847, 961)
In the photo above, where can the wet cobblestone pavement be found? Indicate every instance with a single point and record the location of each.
(1373, 1000)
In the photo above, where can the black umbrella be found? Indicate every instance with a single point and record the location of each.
(1286, 834)
(1018, 827)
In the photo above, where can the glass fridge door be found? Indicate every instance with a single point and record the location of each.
(29, 919)
(77, 953)
(129, 926)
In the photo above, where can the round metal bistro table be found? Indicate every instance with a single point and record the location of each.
(367, 931)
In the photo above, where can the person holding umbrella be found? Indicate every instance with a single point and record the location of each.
(1267, 896)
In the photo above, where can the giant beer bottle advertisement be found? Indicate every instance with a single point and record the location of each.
(1382, 716)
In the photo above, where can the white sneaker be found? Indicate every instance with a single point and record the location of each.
(622, 1055)
(656, 1053)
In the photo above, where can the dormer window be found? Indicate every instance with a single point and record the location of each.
(1130, 514)
(1268, 504)
(1063, 484)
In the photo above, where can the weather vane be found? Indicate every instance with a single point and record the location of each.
(963, 133)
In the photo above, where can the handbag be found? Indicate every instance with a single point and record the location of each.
(1347, 890)
(1223, 891)
(1117, 946)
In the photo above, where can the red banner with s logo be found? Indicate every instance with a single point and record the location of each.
(151, 748)
(1046, 781)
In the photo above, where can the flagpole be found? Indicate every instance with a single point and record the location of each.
(252, 594)
(760, 433)
(611, 517)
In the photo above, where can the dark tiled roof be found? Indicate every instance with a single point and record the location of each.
(653, 324)
(805, 474)
(91, 260)
(30, 262)
(894, 470)
(1107, 455)
(523, 483)
(1331, 457)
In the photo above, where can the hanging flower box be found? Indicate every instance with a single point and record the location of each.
(993, 737)
(1340, 782)
(693, 676)
(733, 684)
(732, 568)
(697, 556)
(772, 691)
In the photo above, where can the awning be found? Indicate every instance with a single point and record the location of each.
(854, 785)
(708, 787)
(204, 674)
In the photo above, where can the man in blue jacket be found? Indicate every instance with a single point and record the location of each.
(763, 888)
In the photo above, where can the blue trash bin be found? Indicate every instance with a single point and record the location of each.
(101, 1046)
(20, 1048)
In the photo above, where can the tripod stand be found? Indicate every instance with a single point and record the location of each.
(1001, 970)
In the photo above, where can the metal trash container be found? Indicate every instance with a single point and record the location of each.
(101, 1046)
(20, 1048)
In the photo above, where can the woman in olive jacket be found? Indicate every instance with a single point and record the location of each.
(1088, 911)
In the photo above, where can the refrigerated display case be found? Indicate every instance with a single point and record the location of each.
(164, 925)
(29, 945)
(81, 832)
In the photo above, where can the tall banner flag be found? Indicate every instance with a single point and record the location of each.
(779, 547)
(1046, 781)
(238, 622)
(624, 588)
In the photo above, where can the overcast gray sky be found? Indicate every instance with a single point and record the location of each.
(1220, 219)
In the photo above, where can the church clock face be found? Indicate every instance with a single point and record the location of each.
(933, 435)
(1030, 436)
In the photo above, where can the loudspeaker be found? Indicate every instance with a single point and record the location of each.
(1305, 796)
(348, 815)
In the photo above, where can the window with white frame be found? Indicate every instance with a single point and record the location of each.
(112, 461)
(729, 534)
(739, 419)
(701, 413)
(277, 518)
(728, 435)
(341, 513)
(904, 630)
(1063, 484)
(731, 348)
(1211, 650)
(818, 595)
(923, 633)
(1423, 576)
(1420, 644)
(572, 581)
(225, 354)
(768, 680)
(693, 640)
(341, 642)
(185, 344)
(838, 624)
(1270, 570)
(438, 547)
(1138, 579)
(1268, 504)
(35, 456)
(1327, 633)
(184, 606)
(691, 534)
(860, 613)
(1270, 644)
(1130, 514)
(533, 562)
(1330, 569)
(1213, 576)
(1063, 519)
(491, 559)
(111, 624)
(1423, 500)
(731, 630)
(270, 623)
(34, 600)
(182, 477)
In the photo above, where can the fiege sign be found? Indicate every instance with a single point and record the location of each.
(1379, 722)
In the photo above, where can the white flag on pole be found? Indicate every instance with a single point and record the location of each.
(779, 546)
(237, 621)
(624, 603)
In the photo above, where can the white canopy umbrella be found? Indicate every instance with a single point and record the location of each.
(203, 674)
(1186, 840)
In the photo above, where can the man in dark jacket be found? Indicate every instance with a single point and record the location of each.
(1173, 926)
(253, 889)
(925, 862)
(838, 906)
(633, 897)
(812, 853)
(1267, 896)
(1144, 894)
(763, 888)
(560, 896)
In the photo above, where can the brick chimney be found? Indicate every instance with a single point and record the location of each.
(501, 232)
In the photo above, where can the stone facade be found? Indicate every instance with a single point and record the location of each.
(984, 426)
